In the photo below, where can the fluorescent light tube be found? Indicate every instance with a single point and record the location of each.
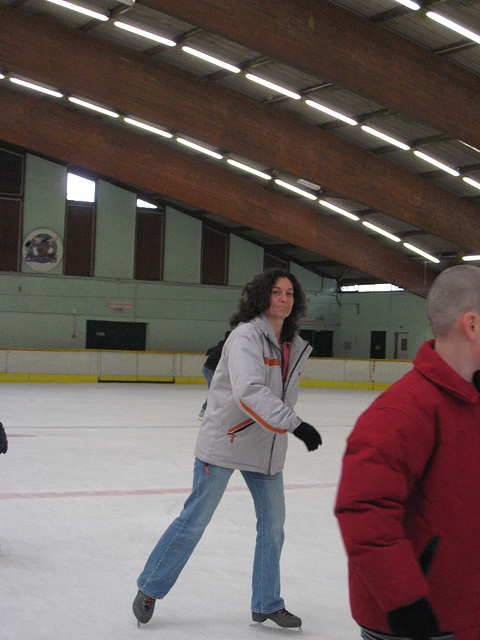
(469, 146)
(331, 112)
(78, 9)
(36, 87)
(211, 59)
(275, 87)
(148, 127)
(409, 4)
(473, 183)
(383, 136)
(469, 258)
(342, 212)
(2, 76)
(471, 35)
(436, 163)
(248, 169)
(292, 187)
(381, 231)
(198, 147)
(145, 34)
(421, 253)
(94, 107)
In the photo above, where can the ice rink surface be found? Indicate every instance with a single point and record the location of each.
(96, 472)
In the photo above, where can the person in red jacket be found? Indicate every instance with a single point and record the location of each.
(408, 502)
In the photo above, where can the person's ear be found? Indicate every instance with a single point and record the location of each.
(470, 324)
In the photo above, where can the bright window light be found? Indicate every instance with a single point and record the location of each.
(79, 9)
(143, 204)
(292, 187)
(436, 163)
(274, 87)
(342, 212)
(409, 4)
(211, 59)
(248, 169)
(470, 258)
(383, 136)
(94, 107)
(145, 34)
(80, 189)
(36, 87)
(148, 127)
(471, 35)
(331, 112)
(366, 288)
(473, 183)
(421, 253)
(198, 147)
(381, 231)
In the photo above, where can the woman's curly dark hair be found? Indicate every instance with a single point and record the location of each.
(255, 300)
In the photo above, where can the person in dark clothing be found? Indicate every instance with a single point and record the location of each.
(3, 440)
(210, 365)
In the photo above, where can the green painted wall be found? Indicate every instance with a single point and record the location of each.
(44, 205)
(49, 310)
(115, 231)
(393, 312)
(246, 260)
(183, 244)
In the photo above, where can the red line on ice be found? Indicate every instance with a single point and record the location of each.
(138, 492)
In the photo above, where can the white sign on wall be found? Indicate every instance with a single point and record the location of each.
(42, 250)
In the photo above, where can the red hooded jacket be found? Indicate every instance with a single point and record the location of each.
(411, 472)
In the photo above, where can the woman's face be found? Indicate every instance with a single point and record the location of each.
(281, 300)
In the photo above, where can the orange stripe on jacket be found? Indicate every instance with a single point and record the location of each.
(260, 421)
(271, 362)
(239, 426)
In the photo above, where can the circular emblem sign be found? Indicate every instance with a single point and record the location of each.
(42, 250)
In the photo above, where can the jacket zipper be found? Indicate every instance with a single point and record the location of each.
(285, 385)
(287, 382)
(271, 454)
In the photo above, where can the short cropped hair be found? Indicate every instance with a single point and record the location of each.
(255, 300)
(454, 292)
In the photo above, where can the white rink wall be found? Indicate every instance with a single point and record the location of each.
(51, 365)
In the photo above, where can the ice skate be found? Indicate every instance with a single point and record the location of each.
(283, 618)
(143, 607)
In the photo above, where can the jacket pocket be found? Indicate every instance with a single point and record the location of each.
(239, 427)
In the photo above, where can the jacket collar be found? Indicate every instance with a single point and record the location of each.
(433, 367)
(264, 324)
(266, 328)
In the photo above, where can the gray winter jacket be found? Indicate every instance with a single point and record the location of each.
(246, 424)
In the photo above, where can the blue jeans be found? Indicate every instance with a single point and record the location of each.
(180, 539)
(208, 375)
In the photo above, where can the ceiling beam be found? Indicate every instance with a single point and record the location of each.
(339, 46)
(164, 95)
(108, 149)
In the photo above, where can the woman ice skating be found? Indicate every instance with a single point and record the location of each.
(246, 425)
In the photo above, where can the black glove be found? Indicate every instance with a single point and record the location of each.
(3, 440)
(416, 621)
(309, 435)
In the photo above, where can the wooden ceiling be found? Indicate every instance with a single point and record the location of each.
(320, 47)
